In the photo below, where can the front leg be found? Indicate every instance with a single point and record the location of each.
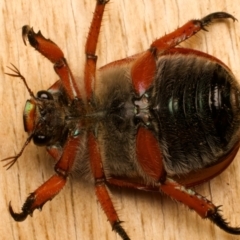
(40, 196)
(54, 54)
(54, 185)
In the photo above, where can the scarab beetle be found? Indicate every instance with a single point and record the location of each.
(163, 120)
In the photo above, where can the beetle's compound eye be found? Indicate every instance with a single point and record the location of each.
(41, 140)
(44, 95)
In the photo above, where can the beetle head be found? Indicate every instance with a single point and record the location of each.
(43, 118)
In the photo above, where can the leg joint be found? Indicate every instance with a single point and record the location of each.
(61, 172)
(60, 63)
(91, 56)
(100, 181)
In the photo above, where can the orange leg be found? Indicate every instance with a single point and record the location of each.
(186, 31)
(40, 196)
(144, 68)
(91, 44)
(54, 54)
(54, 185)
(198, 203)
(201, 205)
(100, 187)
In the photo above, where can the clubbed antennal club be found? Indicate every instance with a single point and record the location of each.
(14, 159)
(16, 73)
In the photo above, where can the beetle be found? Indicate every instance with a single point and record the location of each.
(163, 120)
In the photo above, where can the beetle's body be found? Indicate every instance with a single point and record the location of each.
(162, 120)
(189, 96)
